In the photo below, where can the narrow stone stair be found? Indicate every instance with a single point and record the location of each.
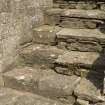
(64, 63)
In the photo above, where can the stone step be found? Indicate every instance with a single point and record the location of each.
(77, 60)
(39, 54)
(13, 97)
(81, 4)
(70, 39)
(45, 34)
(74, 18)
(77, 13)
(44, 82)
(81, 39)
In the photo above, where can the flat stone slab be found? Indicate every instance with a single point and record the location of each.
(79, 13)
(13, 97)
(89, 90)
(40, 54)
(87, 33)
(45, 34)
(82, 39)
(84, 59)
(43, 82)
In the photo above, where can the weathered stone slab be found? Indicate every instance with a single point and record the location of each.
(76, 13)
(82, 102)
(80, 59)
(45, 34)
(80, 4)
(44, 82)
(78, 23)
(42, 55)
(89, 90)
(103, 103)
(68, 22)
(13, 97)
(80, 40)
(93, 14)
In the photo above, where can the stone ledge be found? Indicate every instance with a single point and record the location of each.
(43, 82)
(13, 97)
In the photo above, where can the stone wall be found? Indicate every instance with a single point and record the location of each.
(17, 18)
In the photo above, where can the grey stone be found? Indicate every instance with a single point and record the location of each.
(13, 97)
(43, 82)
(84, 59)
(45, 34)
(82, 102)
(40, 54)
(88, 90)
(86, 5)
(80, 40)
(103, 103)
(93, 14)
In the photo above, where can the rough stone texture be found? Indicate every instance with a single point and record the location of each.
(43, 82)
(17, 18)
(100, 103)
(82, 102)
(84, 59)
(80, 40)
(80, 4)
(40, 54)
(13, 97)
(93, 14)
(10, 31)
(1, 80)
(89, 90)
(45, 34)
(68, 22)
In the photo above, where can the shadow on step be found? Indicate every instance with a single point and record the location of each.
(96, 74)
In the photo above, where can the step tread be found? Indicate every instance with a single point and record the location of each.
(43, 82)
(14, 97)
(93, 14)
(92, 33)
(75, 57)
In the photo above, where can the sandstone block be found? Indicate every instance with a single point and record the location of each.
(45, 34)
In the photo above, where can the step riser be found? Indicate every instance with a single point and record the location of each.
(66, 22)
(80, 5)
(82, 71)
(81, 44)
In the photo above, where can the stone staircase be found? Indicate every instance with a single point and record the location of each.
(64, 65)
